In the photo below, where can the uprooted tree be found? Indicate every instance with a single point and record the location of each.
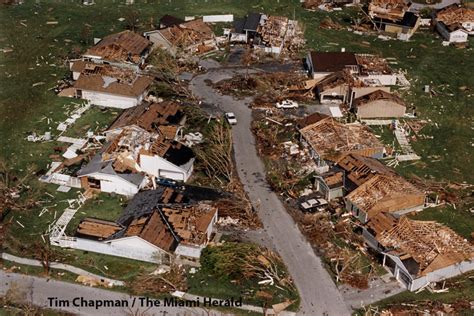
(216, 153)
(242, 261)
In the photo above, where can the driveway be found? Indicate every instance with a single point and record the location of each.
(319, 295)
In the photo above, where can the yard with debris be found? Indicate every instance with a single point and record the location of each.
(33, 55)
(453, 297)
(243, 270)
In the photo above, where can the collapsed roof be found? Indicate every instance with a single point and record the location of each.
(121, 155)
(188, 33)
(388, 9)
(431, 245)
(455, 14)
(150, 117)
(113, 85)
(164, 227)
(126, 46)
(385, 193)
(375, 96)
(329, 138)
(359, 169)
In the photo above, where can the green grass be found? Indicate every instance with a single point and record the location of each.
(460, 288)
(104, 206)
(462, 222)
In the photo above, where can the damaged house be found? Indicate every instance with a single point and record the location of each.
(379, 104)
(342, 87)
(105, 85)
(369, 69)
(125, 49)
(321, 64)
(165, 118)
(267, 32)
(152, 228)
(130, 156)
(328, 140)
(393, 16)
(419, 252)
(455, 23)
(189, 38)
(375, 188)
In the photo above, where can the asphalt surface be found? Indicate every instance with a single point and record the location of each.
(319, 295)
(36, 291)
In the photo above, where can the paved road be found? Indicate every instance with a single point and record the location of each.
(319, 294)
(36, 291)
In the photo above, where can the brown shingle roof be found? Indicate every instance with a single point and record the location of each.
(120, 47)
(360, 169)
(97, 228)
(332, 61)
(149, 117)
(110, 85)
(153, 229)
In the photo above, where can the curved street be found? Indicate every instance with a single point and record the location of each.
(319, 295)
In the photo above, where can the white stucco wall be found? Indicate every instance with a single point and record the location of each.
(441, 274)
(114, 184)
(110, 100)
(190, 251)
(160, 167)
(128, 247)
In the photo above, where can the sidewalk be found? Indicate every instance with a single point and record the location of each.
(60, 266)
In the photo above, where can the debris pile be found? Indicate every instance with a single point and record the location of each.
(348, 263)
(329, 24)
(169, 281)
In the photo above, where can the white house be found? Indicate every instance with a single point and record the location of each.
(100, 175)
(452, 35)
(130, 156)
(418, 252)
(157, 235)
(109, 86)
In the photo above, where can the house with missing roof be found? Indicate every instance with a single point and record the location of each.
(152, 228)
(454, 23)
(130, 157)
(374, 188)
(268, 33)
(379, 104)
(418, 252)
(393, 16)
(370, 70)
(343, 87)
(125, 49)
(188, 38)
(328, 139)
(165, 118)
(106, 85)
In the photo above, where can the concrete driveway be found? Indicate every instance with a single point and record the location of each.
(319, 294)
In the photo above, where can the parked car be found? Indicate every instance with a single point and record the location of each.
(230, 117)
(287, 104)
(313, 205)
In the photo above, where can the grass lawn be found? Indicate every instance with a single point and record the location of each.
(460, 221)
(104, 206)
(40, 51)
(460, 288)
